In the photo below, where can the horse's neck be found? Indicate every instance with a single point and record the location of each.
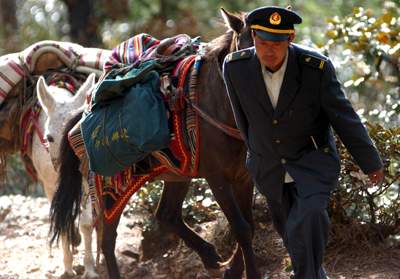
(213, 96)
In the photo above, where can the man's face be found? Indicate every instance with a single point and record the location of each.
(271, 54)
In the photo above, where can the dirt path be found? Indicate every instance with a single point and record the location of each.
(24, 252)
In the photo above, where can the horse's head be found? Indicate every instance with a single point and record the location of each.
(238, 36)
(241, 32)
(59, 105)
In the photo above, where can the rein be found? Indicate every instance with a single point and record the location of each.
(30, 119)
(228, 130)
(34, 118)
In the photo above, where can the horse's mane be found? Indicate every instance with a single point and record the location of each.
(220, 46)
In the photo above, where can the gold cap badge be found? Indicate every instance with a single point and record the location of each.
(275, 18)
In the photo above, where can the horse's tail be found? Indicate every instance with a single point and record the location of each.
(65, 205)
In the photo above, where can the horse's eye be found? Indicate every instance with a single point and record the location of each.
(49, 138)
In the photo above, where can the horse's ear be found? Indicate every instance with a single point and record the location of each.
(45, 98)
(233, 21)
(80, 96)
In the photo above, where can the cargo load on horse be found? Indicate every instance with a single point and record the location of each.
(127, 117)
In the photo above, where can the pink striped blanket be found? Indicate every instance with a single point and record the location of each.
(13, 67)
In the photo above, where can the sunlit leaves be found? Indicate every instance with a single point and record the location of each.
(365, 47)
(358, 197)
(367, 44)
(199, 205)
(40, 20)
(16, 181)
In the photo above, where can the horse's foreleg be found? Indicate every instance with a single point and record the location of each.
(240, 226)
(86, 228)
(109, 236)
(169, 215)
(68, 258)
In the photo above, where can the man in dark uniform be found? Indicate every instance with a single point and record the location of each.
(285, 99)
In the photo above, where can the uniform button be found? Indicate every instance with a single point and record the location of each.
(275, 122)
(283, 161)
(277, 141)
(326, 149)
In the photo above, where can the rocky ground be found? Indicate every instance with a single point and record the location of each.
(24, 251)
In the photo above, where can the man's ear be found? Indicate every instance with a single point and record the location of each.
(291, 37)
(253, 34)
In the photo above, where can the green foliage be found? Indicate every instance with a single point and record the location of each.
(367, 47)
(356, 199)
(47, 19)
(199, 205)
(39, 20)
(17, 181)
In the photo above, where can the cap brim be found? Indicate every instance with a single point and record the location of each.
(268, 36)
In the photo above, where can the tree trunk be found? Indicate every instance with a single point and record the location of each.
(83, 22)
(9, 23)
(116, 9)
(167, 9)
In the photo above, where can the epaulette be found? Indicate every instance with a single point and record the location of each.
(313, 61)
(234, 56)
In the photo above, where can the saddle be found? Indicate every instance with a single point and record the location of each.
(127, 118)
(175, 83)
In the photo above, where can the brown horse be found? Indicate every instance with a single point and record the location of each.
(221, 164)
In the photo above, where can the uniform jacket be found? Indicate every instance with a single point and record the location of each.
(310, 103)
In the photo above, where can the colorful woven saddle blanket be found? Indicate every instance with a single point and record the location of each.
(173, 58)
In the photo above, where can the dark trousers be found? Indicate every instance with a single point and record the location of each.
(303, 224)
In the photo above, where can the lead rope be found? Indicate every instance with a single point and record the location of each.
(215, 60)
(237, 43)
(230, 131)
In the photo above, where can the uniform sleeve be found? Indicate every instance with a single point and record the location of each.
(347, 123)
(240, 117)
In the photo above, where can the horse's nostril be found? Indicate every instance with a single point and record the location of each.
(50, 138)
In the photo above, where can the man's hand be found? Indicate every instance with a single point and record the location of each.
(376, 177)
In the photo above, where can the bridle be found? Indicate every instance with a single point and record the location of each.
(29, 121)
(228, 130)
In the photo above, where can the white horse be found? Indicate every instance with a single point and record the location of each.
(58, 106)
